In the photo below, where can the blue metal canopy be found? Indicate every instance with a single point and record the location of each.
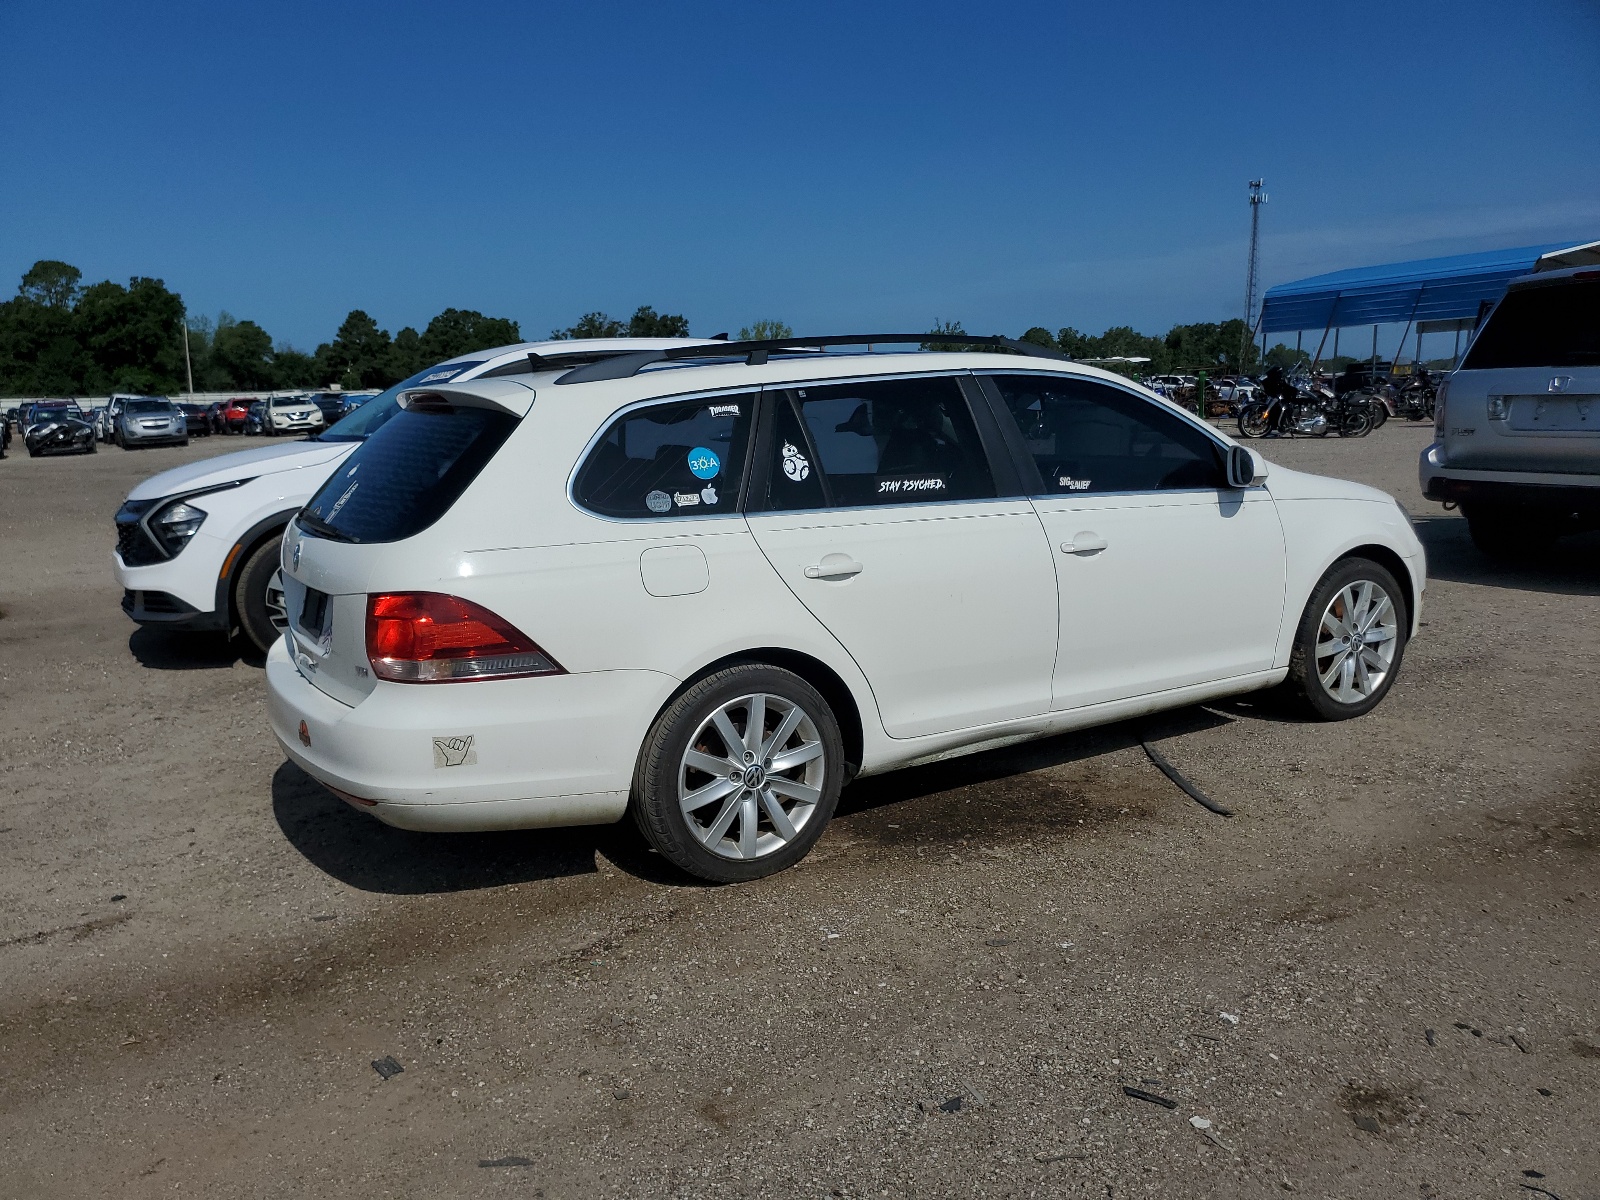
(1427, 289)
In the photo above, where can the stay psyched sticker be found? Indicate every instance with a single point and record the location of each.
(704, 463)
(915, 485)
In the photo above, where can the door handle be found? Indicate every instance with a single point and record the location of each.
(834, 566)
(1084, 543)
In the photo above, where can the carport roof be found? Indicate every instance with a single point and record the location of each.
(1425, 289)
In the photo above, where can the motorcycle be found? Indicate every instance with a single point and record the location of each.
(1313, 411)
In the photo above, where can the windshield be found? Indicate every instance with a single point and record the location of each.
(289, 402)
(379, 410)
(1554, 325)
(150, 406)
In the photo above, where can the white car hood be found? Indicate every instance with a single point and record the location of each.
(245, 464)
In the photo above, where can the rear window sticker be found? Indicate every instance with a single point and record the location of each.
(685, 499)
(708, 494)
(704, 463)
(914, 485)
(1069, 484)
(454, 751)
(724, 410)
(795, 465)
(658, 502)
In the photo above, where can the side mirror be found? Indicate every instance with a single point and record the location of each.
(1245, 468)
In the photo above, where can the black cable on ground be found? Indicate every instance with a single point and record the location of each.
(1172, 773)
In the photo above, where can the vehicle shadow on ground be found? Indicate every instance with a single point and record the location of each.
(1571, 567)
(364, 853)
(992, 766)
(161, 651)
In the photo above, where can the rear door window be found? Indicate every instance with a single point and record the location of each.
(878, 442)
(1554, 325)
(1087, 436)
(408, 473)
(678, 458)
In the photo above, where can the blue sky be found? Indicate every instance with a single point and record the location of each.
(839, 166)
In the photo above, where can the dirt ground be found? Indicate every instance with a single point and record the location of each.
(1379, 978)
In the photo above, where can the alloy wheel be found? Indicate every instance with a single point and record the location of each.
(752, 776)
(1356, 641)
(277, 605)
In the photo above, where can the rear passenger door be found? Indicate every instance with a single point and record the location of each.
(1168, 577)
(881, 509)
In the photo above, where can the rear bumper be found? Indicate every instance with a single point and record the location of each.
(551, 751)
(1544, 491)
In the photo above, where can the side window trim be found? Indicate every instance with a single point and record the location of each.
(1014, 435)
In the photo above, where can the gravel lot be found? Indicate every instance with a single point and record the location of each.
(1379, 978)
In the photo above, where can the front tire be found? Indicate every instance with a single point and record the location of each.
(739, 775)
(260, 608)
(1255, 420)
(1350, 642)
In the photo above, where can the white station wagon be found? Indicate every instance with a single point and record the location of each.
(710, 584)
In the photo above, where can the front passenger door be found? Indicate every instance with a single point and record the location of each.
(1167, 576)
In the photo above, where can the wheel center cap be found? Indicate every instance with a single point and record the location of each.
(755, 776)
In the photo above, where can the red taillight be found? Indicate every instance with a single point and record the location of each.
(427, 637)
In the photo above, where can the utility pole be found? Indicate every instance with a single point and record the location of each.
(1257, 199)
(188, 367)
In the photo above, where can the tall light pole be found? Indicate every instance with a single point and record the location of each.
(188, 367)
(1257, 199)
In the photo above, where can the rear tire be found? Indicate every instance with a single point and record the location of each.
(756, 816)
(1350, 641)
(250, 599)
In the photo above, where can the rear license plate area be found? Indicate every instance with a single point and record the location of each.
(1555, 414)
(314, 613)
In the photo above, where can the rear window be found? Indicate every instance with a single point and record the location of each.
(408, 473)
(682, 458)
(1556, 325)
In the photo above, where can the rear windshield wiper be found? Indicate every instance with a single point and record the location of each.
(314, 524)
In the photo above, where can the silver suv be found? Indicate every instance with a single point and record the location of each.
(1517, 427)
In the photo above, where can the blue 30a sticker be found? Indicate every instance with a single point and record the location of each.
(704, 463)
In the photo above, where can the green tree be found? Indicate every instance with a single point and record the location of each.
(408, 353)
(360, 355)
(1040, 336)
(134, 335)
(646, 322)
(458, 331)
(240, 356)
(293, 368)
(40, 351)
(590, 325)
(765, 331)
(1282, 356)
(51, 283)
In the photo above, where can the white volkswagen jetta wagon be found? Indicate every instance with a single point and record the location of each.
(711, 584)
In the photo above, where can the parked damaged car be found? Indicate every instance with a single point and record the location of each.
(57, 427)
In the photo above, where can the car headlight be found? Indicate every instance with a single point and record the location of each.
(175, 524)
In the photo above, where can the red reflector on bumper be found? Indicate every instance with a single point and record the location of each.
(358, 801)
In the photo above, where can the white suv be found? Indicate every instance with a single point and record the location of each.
(197, 546)
(714, 583)
(1517, 428)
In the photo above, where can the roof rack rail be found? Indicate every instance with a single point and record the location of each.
(630, 363)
